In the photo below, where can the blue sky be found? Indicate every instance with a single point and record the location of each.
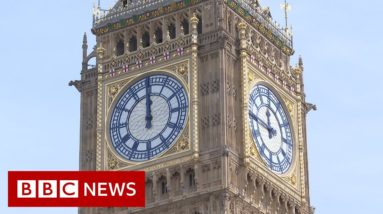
(340, 42)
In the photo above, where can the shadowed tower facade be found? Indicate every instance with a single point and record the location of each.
(201, 95)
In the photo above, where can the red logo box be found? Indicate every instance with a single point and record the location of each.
(76, 189)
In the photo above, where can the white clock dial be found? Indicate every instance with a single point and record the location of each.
(270, 129)
(148, 117)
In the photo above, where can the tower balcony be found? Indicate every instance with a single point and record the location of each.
(127, 9)
(129, 12)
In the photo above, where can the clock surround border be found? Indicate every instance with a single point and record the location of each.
(293, 166)
(103, 145)
(293, 178)
(131, 81)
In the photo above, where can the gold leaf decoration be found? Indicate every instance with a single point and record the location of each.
(112, 162)
(113, 90)
(293, 179)
(253, 150)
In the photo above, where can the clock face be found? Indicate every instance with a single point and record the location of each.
(270, 129)
(148, 117)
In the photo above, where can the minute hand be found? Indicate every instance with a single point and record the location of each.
(256, 118)
(149, 116)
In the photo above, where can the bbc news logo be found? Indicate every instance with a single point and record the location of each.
(76, 189)
(47, 189)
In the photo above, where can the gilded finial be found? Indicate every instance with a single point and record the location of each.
(194, 19)
(286, 7)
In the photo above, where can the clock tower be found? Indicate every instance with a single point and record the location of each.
(201, 95)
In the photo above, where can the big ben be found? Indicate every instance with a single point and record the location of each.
(200, 95)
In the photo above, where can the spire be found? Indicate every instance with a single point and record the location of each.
(85, 40)
(300, 63)
(84, 52)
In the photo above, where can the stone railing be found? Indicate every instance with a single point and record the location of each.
(136, 7)
(150, 55)
(268, 23)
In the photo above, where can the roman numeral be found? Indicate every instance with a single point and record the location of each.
(134, 148)
(165, 83)
(119, 126)
(178, 109)
(174, 94)
(288, 142)
(125, 139)
(174, 126)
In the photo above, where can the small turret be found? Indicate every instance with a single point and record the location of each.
(84, 53)
(300, 63)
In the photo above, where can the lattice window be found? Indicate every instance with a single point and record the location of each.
(124, 3)
(172, 31)
(120, 47)
(133, 43)
(145, 39)
(158, 34)
(185, 26)
(190, 175)
(199, 26)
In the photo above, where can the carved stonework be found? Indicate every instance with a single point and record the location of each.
(112, 162)
(214, 86)
(89, 156)
(205, 122)
(253, 150)
(210, 87)
(89, 123)
(231, 90)
(293, 179)
(216, 119)
(204, 88)
(290, 107)
(232, 123)
(113, 90)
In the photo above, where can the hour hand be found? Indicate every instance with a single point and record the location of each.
(268, 124)
(270, 130)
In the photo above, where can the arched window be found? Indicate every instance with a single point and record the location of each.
(172, 31)
(199, 26)
(145, 39)
(120, 49)
(164, 190)
(185, 26)
(158, 34)
(175, 183)
(133, 43)
(124, 3)
(162, 185)
(190, 176)
(149, 191)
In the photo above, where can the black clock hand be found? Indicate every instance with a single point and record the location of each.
(268, 123)
(149, 116)
(265, 125)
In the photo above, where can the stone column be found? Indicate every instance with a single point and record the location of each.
(194, 86)
(245, 88)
